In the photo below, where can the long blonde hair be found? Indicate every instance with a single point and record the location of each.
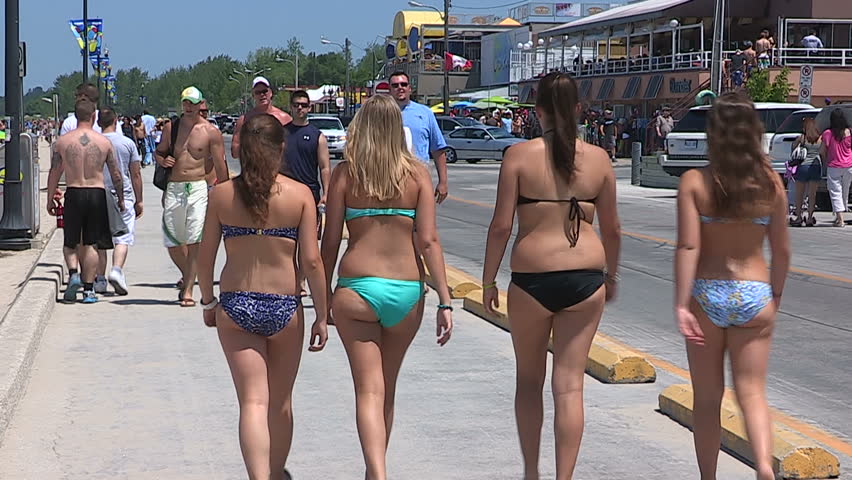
(378, 158)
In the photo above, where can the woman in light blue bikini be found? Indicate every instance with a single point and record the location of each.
(383, 194)
(265, 219)
(726, 297)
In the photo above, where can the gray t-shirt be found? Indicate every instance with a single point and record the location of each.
(125, 153)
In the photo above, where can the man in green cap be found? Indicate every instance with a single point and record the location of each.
(198, 148)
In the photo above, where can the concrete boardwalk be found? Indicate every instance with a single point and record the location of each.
(136, 387)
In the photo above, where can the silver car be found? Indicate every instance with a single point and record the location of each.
(473, 144)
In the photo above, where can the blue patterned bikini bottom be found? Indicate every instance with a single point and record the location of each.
(260, 313)
(731, 303)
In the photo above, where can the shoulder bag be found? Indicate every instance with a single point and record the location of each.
(161, 173)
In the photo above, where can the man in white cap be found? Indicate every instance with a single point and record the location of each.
(197, 144)
(261, 91)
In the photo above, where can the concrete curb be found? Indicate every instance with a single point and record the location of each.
(794, 456)
(23, 325)
(609, 361)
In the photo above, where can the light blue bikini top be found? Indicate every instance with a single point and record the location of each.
(375, 212)
(756, 220)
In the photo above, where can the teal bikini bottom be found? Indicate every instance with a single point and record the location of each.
(390, 299)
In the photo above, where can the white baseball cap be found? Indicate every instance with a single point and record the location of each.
(259, 80)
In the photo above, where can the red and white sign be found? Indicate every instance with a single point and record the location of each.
(382, 87)
(806, 83)
(451, 62)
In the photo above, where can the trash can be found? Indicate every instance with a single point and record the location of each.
(30, 185)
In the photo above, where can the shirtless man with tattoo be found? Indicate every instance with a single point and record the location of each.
(262, 93)
(81, 154)
(197, 145)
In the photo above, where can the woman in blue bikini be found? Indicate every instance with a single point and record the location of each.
(385, 196)
(726, 297)
(265, 219)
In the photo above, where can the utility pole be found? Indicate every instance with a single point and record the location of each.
(85, 41)
(13, 229)
(718, 40)
(347, 48)
(447, 52)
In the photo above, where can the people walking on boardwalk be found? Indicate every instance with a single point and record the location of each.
(129, 164)
(385, 196)
(81, 155)
(808, 172)
(262, 92)
(562, 272)
(426, 138)
(726, 298)
(195, 143)
(837, 151)
(265, 218)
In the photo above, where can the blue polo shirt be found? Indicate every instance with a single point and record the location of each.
(426, 136)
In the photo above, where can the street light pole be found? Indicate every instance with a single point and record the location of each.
(13, 229)
(447, 52)
(718, 40)
(347, 87)
(85, 41)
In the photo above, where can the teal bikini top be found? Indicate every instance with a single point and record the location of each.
(375, 212)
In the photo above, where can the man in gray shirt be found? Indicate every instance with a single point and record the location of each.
(129, 164)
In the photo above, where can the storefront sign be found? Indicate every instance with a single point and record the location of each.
(680, 86)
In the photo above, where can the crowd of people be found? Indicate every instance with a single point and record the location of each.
(563, 272)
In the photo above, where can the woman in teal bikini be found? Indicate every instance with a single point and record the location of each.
(726, 297)
(385, 196)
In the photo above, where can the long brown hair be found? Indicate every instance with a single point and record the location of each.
(744, 184)
(262, 144)
(557, 97)
(810, 130)
(378, 158)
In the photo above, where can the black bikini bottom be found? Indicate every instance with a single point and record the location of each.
(556, 291)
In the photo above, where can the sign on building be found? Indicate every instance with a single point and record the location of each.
(806, 82)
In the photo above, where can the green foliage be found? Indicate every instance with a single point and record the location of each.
(760, 89)
(224, 81)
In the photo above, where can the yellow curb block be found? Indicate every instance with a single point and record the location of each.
(793, 455)
(609, 361)
(459, 282)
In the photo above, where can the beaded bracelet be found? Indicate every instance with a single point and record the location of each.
(445, 307)
(490, 285)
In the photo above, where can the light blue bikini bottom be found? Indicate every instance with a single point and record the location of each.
(731, 303)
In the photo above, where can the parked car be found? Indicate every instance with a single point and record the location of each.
(334, 132)
(448, 123)
(686, 145)
(780, 147)
(214, 123)
(473, 144)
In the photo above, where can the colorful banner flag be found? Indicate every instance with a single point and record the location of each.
(95, 35)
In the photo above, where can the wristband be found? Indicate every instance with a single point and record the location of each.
(614, 278)
(490, 285)
(445, 307)
(211, 305)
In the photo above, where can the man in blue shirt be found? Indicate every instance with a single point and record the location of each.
(426, 136)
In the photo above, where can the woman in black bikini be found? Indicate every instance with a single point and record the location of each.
(562, 272)
(266, 220)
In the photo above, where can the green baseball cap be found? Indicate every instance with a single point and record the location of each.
(192, 94)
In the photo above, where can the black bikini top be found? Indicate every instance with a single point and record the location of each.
(229, 231)
(575, 213)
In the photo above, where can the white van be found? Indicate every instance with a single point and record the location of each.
(686, 145)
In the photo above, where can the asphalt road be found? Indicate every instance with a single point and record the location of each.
(810, 360)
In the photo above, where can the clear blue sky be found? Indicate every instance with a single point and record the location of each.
(165, 33)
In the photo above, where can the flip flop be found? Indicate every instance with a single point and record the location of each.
(187, 302)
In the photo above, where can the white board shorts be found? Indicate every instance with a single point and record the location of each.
(129, 217)
(184, 210)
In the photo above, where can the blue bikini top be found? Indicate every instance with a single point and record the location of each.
(229, 231)
(375, 212)
(756, 220)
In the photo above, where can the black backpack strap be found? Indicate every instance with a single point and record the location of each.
(175, 129)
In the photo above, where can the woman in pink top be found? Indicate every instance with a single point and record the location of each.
(837, 150)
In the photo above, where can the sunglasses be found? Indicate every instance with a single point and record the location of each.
(205, 110)
(399, 85)
(261, 92)
(301, 105)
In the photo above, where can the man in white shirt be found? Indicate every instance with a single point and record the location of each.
(812, 43)
(83, 91)
(128, 161)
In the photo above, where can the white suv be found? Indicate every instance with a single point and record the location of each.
(335, 134)
(781, 145)
(686, 145)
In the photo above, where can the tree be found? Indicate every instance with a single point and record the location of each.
(760, 89)
(369, 66)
